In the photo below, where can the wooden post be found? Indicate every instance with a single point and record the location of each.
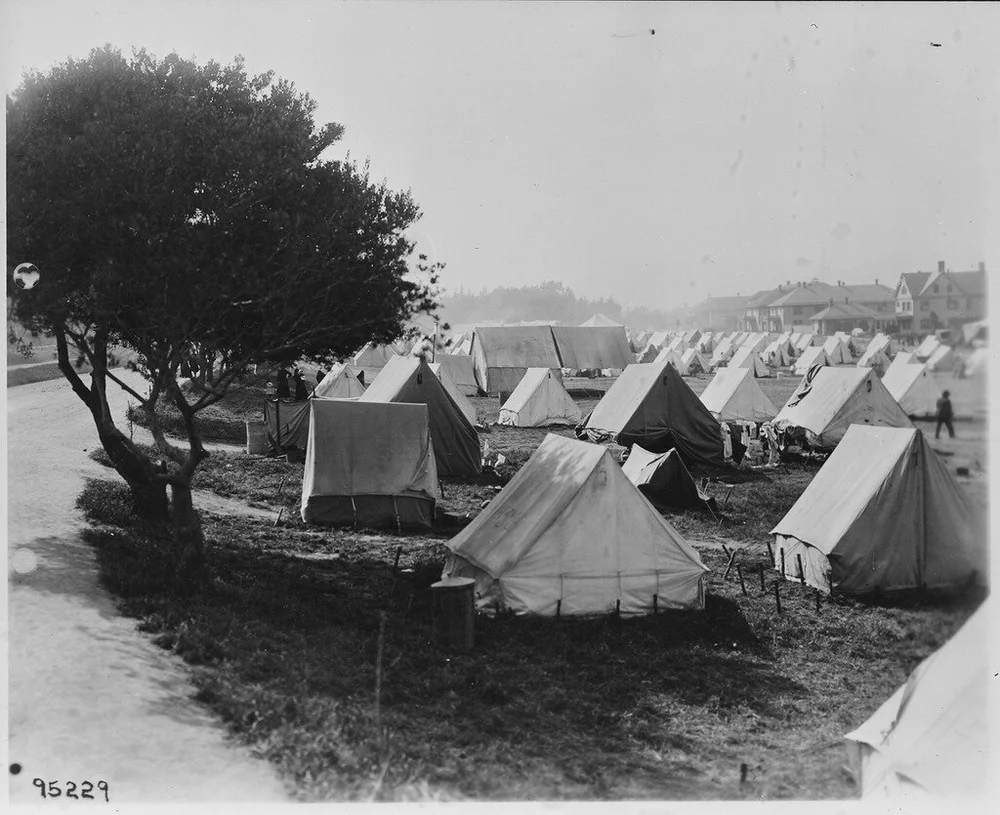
(782, 562)
(770, 552)
(654, 604)
(618, 609)
(732, 558)
(279, 516)
(743, 773)
(763, 588)
(802, 574)
(777, 596)
(739, 574)
(558, 608)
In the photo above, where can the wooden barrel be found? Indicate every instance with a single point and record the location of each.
(455, 612)
(256, 438)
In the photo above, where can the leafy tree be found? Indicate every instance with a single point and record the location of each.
(185, 213)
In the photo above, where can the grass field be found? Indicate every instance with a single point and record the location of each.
(284, 648)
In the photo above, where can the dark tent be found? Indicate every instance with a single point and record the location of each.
(410, 379)
(663, 479)
(287, 423)
(652, 406)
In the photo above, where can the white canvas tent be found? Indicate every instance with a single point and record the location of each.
(812, 355)
(805, 341)
(371, 359)
(341, 382)
(369, 464)
(884, 513)
(829, 400)
(706, 343)
(724, 350)
(932, 736)
(666, 355)
(837, 351)
(746, 357)
(734, 395)
(454, 392)
(570, 535)
(600, 319)
(926, 347)
(461, 370)
(776, 355)
(756, 343)
(677, 345)
(692, 363)
(539, 400)
(914, 388)
(904, 358)
(978, 362)
(883, 341)
(659, 339)
(874, 357)
(501, 355)
(941, 359)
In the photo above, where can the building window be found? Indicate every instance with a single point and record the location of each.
(796, 311)
(924, 305)
(952, 304)
(881, 306)
(936, 288)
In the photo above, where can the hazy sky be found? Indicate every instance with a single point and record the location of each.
(736, 147)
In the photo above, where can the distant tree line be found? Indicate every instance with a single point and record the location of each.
(550, 300)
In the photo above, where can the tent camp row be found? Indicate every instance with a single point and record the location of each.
(501, 355)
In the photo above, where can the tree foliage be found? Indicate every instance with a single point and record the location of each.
(187, 213)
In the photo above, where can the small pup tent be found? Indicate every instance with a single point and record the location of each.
(666, 355)
(652, 406)
(926, 347)
(837, 351)
(371, 359)
(456, 395)
(340, 383)
(648, 354)
(663, 479)
(875, 357)
(941, 359)
(776, 355)
(461, 371)
(811, 356)
(883, 341)
(734, 395)
(932, 736)
(692, 363)
(756, 343)
(883, 513)
(539, 400)
(723, 352)
(570, 535)
(904, 358)
(829, 400)
(370, 464)
(805, 341)
(913, 388)
(747, 359)
(410, 380)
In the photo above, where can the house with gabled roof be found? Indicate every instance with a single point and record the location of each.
(927, 301)
(798, 308)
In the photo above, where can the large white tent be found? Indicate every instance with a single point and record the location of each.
(461, 370)
(463, 404)
(874, 357)
(570, 535)
(776, 354)
(829, 400)
(927, 347)
(371, 359)
(747, 358)
(883, 513)
(724, 350)
(539, 400)
(811, 356)
(914, 388)
(369, 464)
(805, 341)
(692, 363)
(837, 351)
(341, 382)
(734, 395)
(932, 736)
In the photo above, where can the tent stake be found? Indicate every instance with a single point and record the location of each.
(654, 603)
(802, 574)
(777, 596)
(770, 553)
(739, 574)
(279, 516)
(618, 609)
(782, 562)
(558, 609)
(732, 558)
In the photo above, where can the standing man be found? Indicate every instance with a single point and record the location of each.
(944, 415)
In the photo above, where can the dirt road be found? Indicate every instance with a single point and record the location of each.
(90, 698)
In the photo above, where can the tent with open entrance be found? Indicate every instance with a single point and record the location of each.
(592, 348)
(809, 358)
(747, 359)
(884, 513)
(734, 395)
(776, 355)
(756, 343)
(875, 357)
(369, 464)
(456, 443)
(692, 363)
(932, 736)
(570, 535)
(723, 352)
(666, 355)
(914, 389)
(371, 359)
(648, 354)
(829, 400)
(341, 382)
(539, 400)
(652, 406)
(663, 479)
(837, 351)
(502, 355)
(456, 395)
(461, 371)
(286, 423)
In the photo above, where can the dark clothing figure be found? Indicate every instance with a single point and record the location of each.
(301, 394)
(320, 375)
(944, 416)
(361, 377)
(283, 390)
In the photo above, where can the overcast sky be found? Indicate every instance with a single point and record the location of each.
(656, 153)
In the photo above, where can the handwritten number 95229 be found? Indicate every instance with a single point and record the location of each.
(52, 789)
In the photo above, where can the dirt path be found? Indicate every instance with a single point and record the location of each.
(90, 698)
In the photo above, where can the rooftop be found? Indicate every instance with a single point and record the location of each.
(846, 311)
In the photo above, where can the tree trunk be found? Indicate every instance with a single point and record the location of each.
(192, 565)
(149, 494)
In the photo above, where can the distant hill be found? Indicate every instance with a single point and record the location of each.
(548, 301)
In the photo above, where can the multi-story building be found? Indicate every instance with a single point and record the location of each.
(756, 316)
(927, 301)
(799, 307)
(718, 313)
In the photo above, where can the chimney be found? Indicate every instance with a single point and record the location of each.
(876, 283)
(830, 301)
(940, 265)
